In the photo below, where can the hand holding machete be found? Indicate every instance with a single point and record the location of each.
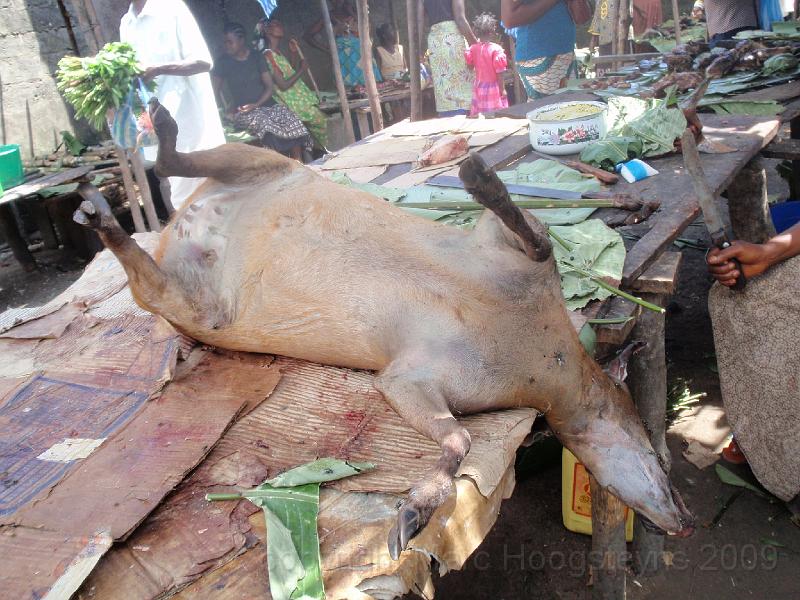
(705, 197)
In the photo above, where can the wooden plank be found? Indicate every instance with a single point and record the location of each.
(778, 93)
(748, 135)
(787, 149)
(617, 308)
(660, 277)
(38, 561)
(30, 188)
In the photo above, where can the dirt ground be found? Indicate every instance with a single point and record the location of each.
(752, 550)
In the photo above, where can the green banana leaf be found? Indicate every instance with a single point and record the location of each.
(767, 108)
(594, 248)
(731, 478)
(319, 471)
(610, 151)
(290, 503)
(650, 121)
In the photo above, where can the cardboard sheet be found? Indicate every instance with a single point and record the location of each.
(319, 411)
(102, 278)
(379, 153)
(316, 411)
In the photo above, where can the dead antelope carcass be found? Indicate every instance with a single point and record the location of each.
(267, 256)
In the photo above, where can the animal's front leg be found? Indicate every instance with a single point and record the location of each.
(418, 399)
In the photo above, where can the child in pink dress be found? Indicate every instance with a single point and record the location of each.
(489, 61)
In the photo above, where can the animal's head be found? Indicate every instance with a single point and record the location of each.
(608, 437)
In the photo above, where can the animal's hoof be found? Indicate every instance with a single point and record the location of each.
(87, 215)
(164, 125)
(407, 524)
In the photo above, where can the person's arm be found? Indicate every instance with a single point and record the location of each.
(179, 69)
(460, 17)
(313, 36)
(268, 87)
(279, 80)
(513, 13)
(755, 258)
(217, 84)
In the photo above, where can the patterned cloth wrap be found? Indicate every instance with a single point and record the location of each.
(349, 48)
(755, 336)
(452, 81)
(301, 100)
(488, 59)
(276, 126)
(543, 76)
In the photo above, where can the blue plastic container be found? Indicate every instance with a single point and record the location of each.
(785, 214)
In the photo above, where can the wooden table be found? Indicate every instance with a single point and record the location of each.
(8, 225)
(650, 271)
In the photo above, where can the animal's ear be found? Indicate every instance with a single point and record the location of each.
(617, 367)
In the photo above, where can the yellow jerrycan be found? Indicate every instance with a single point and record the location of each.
(576, 498)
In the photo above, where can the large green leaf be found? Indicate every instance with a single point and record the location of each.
(766, 108)
(610, 151)
(290, 503)
(594, 248)
(319, 471)
(731, 478)
(649, 121)
(295, 566)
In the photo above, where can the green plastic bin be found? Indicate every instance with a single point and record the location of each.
(11, 172)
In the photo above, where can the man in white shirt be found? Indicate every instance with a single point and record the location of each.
(170, 46)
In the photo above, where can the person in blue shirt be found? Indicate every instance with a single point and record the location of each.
(545, 36)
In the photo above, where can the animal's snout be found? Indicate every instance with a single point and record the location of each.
(685, 519)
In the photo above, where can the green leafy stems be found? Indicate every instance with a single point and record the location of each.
(93, 85)
(599, 280)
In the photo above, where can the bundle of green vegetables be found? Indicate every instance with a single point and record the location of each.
(93, 85)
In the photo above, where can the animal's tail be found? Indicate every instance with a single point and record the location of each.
(486, 187)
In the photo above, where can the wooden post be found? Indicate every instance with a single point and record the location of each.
(794, 182)
(519, 93)
(413, 59)
(615, 15)
(676, 16)
(44, 224)
(130, 190)
(337, 73)
(14, 239)
(362, 7)
(608, 555)
(622, 26)
(647, 381)
(748, 205)
(144, 189)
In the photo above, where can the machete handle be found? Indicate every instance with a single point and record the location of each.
(741, 280)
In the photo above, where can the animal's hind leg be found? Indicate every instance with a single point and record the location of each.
(230, 163)
(420, 402)
(149, 284)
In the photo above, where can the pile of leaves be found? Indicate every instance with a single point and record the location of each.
(636, 128)
(93, 85)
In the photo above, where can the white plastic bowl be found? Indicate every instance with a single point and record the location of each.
(565, 136)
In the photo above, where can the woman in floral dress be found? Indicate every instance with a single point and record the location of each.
(291, 90)
(452, 80)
